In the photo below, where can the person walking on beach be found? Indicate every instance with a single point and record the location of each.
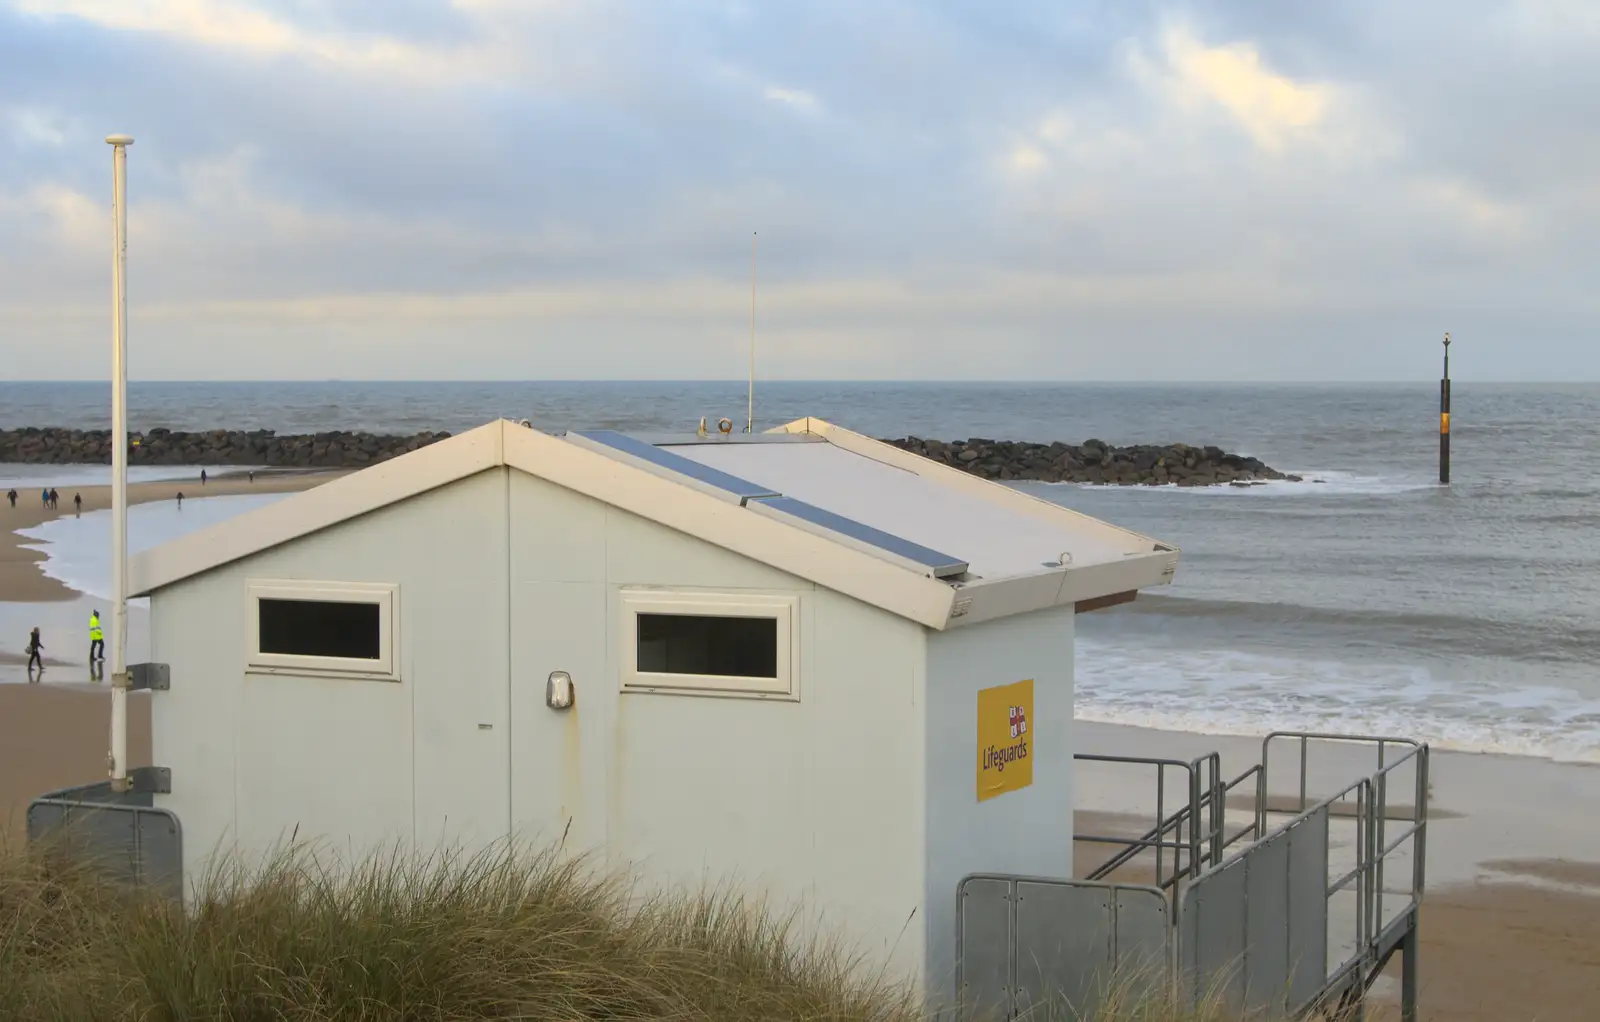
(77, 504)
(97, 638)
(12, 496)
(55, 498)
(180, 500)
(44, 499)
(35, 647)
(202, 477)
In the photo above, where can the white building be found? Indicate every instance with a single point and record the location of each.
(804, 660)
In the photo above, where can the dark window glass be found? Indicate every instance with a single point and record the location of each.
(745, 647)
(319, 628)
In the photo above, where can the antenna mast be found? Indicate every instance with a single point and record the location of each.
(750, 409)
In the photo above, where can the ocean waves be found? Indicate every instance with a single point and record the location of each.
(1234, 692)
(1444, 634)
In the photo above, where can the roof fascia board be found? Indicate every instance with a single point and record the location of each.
(966, 482)
(725, 524)
(987, 600)
(322, 506)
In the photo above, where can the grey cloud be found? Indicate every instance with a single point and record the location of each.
(633, 146)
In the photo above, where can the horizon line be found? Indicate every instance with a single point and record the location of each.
(824, 380)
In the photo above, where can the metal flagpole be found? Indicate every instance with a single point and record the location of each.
(117, 760)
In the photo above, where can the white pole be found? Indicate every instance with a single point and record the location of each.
(118, 758)
(750, 410)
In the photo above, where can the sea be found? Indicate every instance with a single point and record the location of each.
(1366, 599)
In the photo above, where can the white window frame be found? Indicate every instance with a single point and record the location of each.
(384, 594)
(782, 607)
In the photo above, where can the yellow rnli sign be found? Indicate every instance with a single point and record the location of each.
(1005, 738)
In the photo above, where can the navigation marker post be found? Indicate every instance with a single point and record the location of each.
(1444, 417)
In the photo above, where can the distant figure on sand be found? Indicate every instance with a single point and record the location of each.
(77, 504)
(55, 498)
(44, 499)
(202, 477)
(97, 638)
(180, 498)
(12, 496)
(35, 647)
(252, 479)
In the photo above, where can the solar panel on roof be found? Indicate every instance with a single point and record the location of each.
(743, 489)
(939, 565)
(764, 498)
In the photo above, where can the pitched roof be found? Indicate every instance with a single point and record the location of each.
(909, 535)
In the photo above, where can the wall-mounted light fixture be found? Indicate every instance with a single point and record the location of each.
(558, 691)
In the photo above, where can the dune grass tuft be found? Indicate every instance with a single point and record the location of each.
(505, 934)
(510, 933)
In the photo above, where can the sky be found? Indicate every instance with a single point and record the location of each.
(530, 189)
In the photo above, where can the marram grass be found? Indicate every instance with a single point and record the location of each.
(506, 934)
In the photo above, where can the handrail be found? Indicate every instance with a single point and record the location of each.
(1152, 838)
(1205, 816)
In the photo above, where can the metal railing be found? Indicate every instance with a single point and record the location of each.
(1197, 828)
(1375, 842)
(1200, 873)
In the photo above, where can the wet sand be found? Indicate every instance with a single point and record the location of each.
(53, 736)
(21, 581)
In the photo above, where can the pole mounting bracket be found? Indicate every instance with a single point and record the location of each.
(152, 677)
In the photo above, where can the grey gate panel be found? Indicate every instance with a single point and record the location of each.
(984, 948)
(1066, 946)
(1144, 933)
(1308, 907)
(1040, 947)
(161, 852)
(1214, 939)
(1254, 933)
(1265, 971)
(121, 833)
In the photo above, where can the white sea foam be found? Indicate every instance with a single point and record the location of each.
(1244, 693)
(78, 550)
(28, 480)
(1314, 482)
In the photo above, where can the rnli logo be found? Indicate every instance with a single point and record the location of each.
(1019, 721)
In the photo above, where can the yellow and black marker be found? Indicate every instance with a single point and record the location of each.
(1444, 417)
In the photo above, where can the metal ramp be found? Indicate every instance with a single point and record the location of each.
(1282, 892)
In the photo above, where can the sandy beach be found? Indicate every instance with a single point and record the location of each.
(20, 578)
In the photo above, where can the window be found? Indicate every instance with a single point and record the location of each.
(323, 628)
(709, 643)
(728, 647)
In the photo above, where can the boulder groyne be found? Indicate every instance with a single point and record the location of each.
(1095, 461)
(334, 449)
(1092, 461)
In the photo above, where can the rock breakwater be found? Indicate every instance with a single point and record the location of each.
(336, 449)
(1092, 461)
(1095, 461)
